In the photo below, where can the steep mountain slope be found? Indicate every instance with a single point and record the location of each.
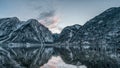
(31, 31)
(102, 28)
(68, 32)
(8, 25)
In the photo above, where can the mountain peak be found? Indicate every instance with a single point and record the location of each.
(32, 20)
(77, 26)
(112, 8)
(10, 19)
(31, 31)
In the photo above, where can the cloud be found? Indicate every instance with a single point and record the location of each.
(47, 14)
(50, 19)
(47, 17)
(53, 26)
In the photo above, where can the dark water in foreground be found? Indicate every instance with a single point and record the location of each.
(69, 55)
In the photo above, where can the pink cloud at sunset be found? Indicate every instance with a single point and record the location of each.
(52, 23)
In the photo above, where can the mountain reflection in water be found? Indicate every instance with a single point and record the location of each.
(57, 62)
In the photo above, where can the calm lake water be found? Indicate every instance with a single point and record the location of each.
(57, 62)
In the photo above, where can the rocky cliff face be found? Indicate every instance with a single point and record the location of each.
(67, 33)
(104, 25)
(31, 31)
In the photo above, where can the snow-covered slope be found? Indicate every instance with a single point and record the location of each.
(67, 33)
(107, 23)
(31, 31)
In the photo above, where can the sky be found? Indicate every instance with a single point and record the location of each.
(55, 14)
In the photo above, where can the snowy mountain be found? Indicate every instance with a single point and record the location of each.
(105, 26)
(68, 32)
(16, 31)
